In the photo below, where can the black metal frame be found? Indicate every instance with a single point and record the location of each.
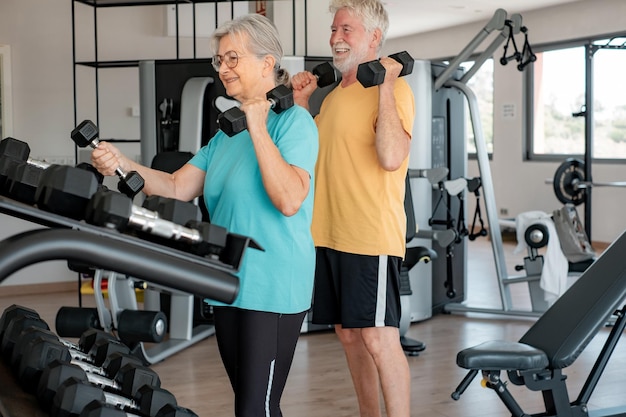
(68, 239)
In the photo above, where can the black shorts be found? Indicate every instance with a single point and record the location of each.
(356, 291)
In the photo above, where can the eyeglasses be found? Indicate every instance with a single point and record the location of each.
(230, 58)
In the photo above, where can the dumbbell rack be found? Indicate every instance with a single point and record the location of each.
(165, 268)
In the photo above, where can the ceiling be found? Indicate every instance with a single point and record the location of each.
(415, 16)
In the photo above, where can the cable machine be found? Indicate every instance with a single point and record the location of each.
(506, 28)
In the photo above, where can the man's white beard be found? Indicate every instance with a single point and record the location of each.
(351, 61)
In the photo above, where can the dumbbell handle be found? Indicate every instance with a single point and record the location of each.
(113, 399)
(38, 163)
(95, 374)
(94, 144)
(149, 221)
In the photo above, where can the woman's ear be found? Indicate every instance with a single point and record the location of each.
(269, 64)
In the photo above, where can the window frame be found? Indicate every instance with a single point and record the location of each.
(528, 100)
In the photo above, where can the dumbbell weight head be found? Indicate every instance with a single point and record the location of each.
(281, 98)
(127, 381)
(406, 60)
(176, 211)
(66, 190)
(22, 182)
(326, 74)
(233, 120)
(110, 209)
(91, 347)
(86, 134)
(13, 330)
(41, 351)
(372, 73)
(12, 152)
(27, 335)
(14, 310)
(131, 183)
(74, 395)
(213, 241)
(88, 167)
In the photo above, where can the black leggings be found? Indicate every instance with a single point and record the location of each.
(257, 349)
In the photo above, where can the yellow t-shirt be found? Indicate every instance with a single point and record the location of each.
(359, 207)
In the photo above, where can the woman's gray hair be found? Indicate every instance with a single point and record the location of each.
(372, 12)
(262, 40)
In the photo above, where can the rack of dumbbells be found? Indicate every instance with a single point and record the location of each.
(95, 377)
(88, 224)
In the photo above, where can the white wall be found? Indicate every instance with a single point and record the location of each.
(40, 36)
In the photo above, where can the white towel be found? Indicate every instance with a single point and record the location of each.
(555, 266)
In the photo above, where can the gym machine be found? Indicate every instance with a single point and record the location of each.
(449, 85)
(176, 98)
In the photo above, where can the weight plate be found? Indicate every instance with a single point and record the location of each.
(567, 175)
(536, 235)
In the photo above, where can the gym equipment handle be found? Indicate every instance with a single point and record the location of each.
(28, 248)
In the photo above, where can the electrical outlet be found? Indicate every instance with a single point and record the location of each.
(504, 212)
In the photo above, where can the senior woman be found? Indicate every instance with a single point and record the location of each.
(257, 183)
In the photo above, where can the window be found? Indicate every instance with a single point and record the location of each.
(556, 91)
(609, 110)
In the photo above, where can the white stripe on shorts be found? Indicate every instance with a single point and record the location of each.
(381, 292)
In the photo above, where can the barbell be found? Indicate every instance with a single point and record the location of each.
(570, 185)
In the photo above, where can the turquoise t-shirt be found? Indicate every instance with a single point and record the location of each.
(279, 279)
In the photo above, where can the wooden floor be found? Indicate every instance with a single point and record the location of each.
(319, 384)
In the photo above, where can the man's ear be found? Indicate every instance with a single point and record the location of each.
(376, 38)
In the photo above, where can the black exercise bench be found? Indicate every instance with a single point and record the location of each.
(556, 340)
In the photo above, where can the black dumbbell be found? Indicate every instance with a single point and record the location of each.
(66, 190)
(115, 210)
(74, 395)
(233, 121)
(177, 211)
(20, 174)
(13, 330)
(14, 310)
(98, 409)
(92, 346)
(326, 74)
(86, 134)
(188, 214)
(126, 381)
(373, 73)
(42, 350)
(12, 152)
